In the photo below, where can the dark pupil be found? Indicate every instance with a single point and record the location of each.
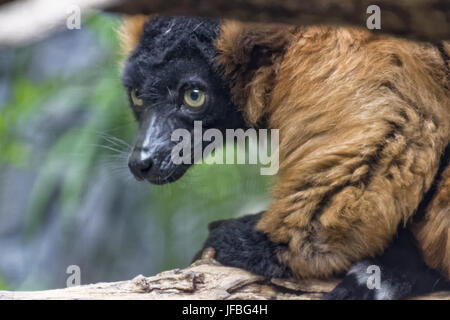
(195, 95)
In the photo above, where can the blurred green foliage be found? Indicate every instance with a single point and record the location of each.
(3, 285)
(77, 148)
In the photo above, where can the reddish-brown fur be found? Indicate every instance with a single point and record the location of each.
(130, 32)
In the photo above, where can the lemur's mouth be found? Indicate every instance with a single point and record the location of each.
(175, 174)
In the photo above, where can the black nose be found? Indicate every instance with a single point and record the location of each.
(140, 167)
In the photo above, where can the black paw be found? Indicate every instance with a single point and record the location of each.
(238, 244)
(360, 284)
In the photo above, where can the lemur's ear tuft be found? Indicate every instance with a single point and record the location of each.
(130, 32)
(241, 44)
(250, 54)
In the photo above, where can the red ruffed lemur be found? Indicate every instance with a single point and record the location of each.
(364, 124)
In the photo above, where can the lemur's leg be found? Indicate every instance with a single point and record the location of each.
(403, 273)
(404, 264)
(238, 244)
(432, 230)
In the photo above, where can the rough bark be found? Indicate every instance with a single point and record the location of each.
(416, 19)
(427, 20)
(205, 279)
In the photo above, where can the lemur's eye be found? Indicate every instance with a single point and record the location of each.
(194, 98)
(134, 98)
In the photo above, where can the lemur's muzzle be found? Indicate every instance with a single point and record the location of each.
(151, 155)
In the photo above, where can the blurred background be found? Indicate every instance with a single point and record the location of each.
(66, 195)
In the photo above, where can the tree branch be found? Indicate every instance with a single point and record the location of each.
(205, 279)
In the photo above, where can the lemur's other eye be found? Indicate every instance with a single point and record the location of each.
(134, 98)
(194, 98)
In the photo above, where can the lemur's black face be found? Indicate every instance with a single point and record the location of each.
(172, 80)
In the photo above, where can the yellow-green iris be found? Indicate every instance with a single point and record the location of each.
(194, 98)
(134, 98)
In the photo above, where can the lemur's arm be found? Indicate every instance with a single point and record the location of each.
(403, 269)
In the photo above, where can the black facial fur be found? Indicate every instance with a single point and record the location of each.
(174, 55)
